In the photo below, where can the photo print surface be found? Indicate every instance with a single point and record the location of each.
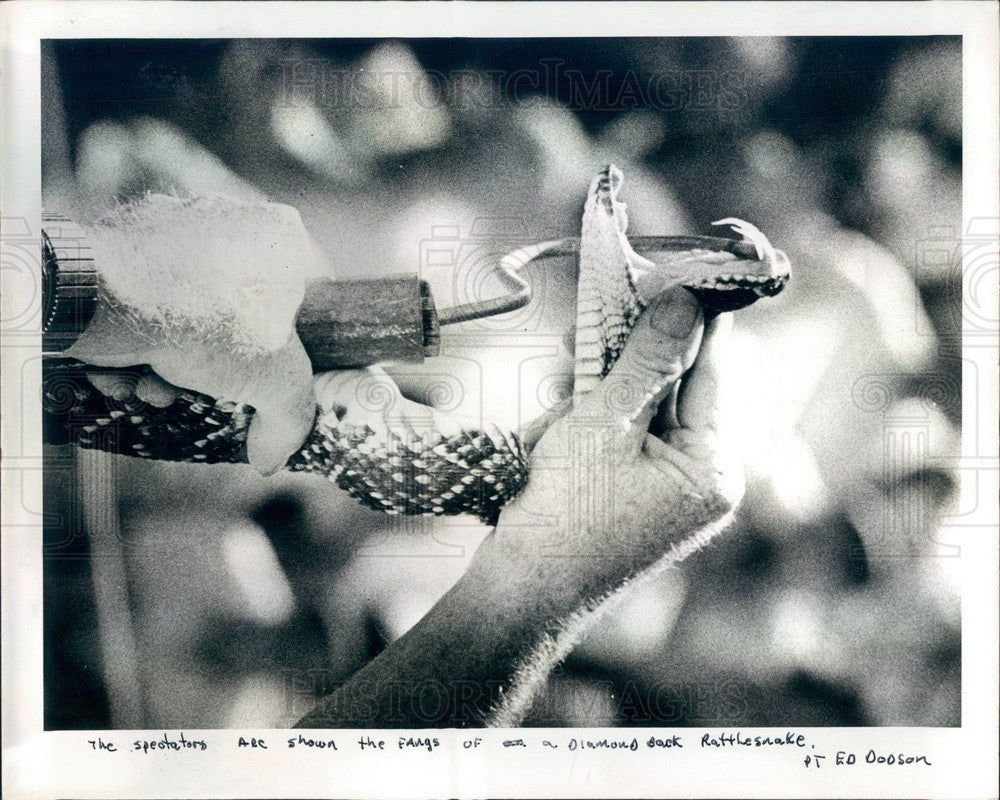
(211, 180)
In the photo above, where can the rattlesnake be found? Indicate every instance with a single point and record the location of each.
(438, 467)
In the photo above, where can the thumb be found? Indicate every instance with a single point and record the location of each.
(278, 384)
(662, 346)
(285, 407)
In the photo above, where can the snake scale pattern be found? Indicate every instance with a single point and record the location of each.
(401, 468)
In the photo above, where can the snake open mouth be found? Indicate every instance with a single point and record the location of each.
(733, 292)
(763, 272)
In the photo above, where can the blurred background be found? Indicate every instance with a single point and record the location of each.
(191, 596)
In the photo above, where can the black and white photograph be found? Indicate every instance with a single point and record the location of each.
(622, 392)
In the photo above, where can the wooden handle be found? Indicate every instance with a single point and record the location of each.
(355, 323)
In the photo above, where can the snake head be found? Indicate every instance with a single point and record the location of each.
(759, 270)
(724, 274)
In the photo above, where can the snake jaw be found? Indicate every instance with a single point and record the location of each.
(608, 300)
(772, 269)
(765, 250)
(733, 275)
(603, 195)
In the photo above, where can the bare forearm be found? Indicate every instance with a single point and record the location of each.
(631, 504)
(484, 652)
(478, 658)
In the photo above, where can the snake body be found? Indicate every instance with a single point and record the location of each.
(397, 465)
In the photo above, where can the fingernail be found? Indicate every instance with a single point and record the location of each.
(155, 391)
(675, 314)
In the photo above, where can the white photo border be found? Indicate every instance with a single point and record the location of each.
(61, 764)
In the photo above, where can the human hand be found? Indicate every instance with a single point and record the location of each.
(606, 502)
(609, 498)
(205, 291)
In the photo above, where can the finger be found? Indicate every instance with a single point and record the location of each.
(278, 384)
(698, 406)
(665, 416)
(365, 396)
(421, 383)
(412, 386)
(157, 392)
(282, 394)
(116, 385)
(662, 346)
(532, 432)
(110, 340)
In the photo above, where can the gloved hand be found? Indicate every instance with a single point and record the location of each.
(206, 291)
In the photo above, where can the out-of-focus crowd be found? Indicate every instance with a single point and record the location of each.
(192, 596)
